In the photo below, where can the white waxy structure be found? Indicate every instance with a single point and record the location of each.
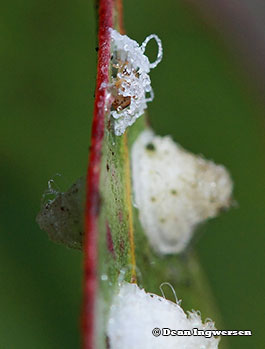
(135, 313)
(175, 190)
(131, 85)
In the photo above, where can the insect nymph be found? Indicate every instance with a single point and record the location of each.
(120, 102)
(130, 83)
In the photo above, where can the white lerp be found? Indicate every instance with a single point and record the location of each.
(175, 190)
(135, 313)
(132, 79)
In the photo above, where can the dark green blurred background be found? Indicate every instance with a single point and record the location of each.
(203, 98)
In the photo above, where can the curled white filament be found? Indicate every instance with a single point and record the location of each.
(160, 49)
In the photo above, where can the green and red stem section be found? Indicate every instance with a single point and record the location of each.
(106, 8)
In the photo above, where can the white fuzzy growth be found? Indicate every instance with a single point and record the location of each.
(175, 191)
(133, 78)
(160, 49)
(134, 313)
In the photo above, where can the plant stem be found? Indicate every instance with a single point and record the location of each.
(93, 176)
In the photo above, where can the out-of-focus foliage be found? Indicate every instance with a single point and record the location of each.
(202, 98)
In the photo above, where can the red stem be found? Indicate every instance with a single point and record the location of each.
(93, 177)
